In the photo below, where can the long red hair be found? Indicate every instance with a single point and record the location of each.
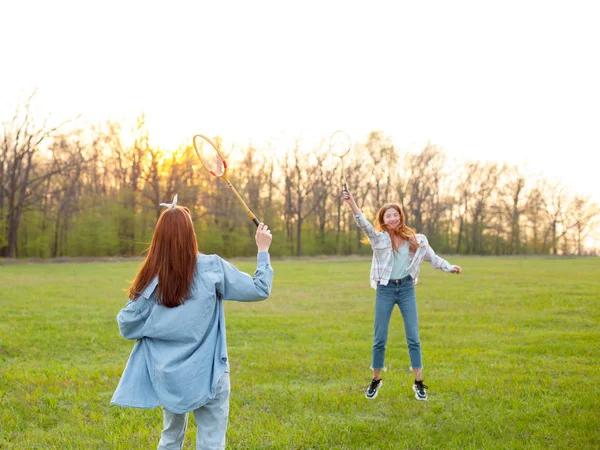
(403, 231)
(172, 256)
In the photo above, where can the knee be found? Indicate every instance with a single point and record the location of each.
(379, 344)
(414, 345)
(413, 340)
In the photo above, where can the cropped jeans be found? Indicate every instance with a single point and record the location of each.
(401, 293)
(211, 420)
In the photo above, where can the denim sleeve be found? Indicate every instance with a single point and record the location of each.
(237, 285)
(132, 318)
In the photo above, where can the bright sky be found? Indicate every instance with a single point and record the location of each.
(514, 81)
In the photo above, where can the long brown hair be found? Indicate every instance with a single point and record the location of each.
(172, 256)
(403, 231)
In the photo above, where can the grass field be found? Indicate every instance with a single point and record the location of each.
(511, 352)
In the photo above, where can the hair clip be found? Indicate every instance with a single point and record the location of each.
(170, 205)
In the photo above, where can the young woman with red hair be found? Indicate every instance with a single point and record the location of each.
(175, 313)
(397, 255)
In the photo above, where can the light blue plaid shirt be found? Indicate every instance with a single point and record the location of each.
(383, 254)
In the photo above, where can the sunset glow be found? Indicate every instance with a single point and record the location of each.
(510, 82)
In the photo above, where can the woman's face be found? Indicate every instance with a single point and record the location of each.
(391, 218)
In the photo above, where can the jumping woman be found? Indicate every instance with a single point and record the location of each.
(397, 255)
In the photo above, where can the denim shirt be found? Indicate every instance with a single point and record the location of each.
(181, 353)
(383, 254)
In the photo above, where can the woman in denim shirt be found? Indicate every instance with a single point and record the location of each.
(175, 314)
(397, 255)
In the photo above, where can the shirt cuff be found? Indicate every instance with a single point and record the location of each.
(263, 258)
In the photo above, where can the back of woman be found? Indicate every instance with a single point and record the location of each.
(180, 359)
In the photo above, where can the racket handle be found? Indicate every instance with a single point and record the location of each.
(345, 187)
(256, 222)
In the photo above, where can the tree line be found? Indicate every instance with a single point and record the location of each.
(95, 191)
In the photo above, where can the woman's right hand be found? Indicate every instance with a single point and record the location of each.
(263, 238)
(349, 199)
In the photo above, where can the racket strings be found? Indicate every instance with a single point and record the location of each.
(210, 157)
(214, 163)
(339, 144)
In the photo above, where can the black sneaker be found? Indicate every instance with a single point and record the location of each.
(373, 388)
(419, 389)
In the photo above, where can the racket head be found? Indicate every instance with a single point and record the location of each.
(339, 143)
(209, 155)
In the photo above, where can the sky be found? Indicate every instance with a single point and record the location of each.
(507, 81)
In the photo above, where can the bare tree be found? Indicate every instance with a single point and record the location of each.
(488, 183)
(151, 177)
(463, 198)
(554, 203)
(255, 179)
(535, 216)
(301, 172)
(579, 216)
(381, 165)
(479, 182)
(515, 205)
(422, 177)
(68, 151)
(128, 161)
(22, 169)
(361, 187)
(321, 190)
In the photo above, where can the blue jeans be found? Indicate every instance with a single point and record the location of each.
(401, 293)
(211, 420)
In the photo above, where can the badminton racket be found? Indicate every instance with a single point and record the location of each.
(339, 146)
(213, 160)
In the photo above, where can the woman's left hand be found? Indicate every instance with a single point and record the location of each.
(457, 270)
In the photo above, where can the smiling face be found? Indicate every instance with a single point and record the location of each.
(392, 219)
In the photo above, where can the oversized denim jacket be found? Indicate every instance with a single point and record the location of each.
(181, 353)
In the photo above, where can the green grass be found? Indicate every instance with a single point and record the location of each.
(511, 352)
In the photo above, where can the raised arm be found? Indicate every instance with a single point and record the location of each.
(349, 200)
(237, 285)
(363, 223)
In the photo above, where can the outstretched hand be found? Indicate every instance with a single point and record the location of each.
(457, 270)
(263, 238)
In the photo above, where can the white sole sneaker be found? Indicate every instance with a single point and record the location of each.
(417, 394)
(376, 392)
